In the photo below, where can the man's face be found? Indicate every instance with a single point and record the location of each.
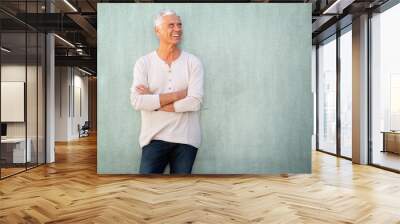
(170, 31)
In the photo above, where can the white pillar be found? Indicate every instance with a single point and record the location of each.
(50, 92)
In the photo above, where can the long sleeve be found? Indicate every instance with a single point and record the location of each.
(194, 98)
(149, 102)
(183, 125)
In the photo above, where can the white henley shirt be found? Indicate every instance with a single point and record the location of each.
(183, 125)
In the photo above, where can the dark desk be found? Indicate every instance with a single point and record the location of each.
(13, 150)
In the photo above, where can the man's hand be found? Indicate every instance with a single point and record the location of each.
(142, 90)
(167, 108)
(181, 94)
(168, 98)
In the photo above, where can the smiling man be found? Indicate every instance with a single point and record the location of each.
(168, 90)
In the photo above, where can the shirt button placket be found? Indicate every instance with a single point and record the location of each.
(169, 79)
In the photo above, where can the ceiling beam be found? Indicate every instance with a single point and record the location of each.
(84, 61)
(83, 23)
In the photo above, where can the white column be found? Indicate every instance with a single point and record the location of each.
(50, 110)
(50, 94)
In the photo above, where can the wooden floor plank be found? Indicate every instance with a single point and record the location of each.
(70, 191)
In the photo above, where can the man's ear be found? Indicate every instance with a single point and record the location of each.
(157, 31)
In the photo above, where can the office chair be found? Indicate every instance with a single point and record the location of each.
(84, 130)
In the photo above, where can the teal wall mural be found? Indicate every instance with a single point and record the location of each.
(257, 115)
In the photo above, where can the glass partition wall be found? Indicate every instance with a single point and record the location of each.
(13, 89)
(22, 99)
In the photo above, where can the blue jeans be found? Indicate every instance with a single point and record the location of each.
(157, 154)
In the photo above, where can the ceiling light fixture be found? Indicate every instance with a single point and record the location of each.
(70, 5)
(86, 72)
(5, 50)
(79, 51)
(338, 6)
(64, 40)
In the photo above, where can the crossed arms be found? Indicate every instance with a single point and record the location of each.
(166, 99)
(186, 100)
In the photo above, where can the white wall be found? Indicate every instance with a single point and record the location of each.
(62, 82)
(80, 109)
(12, 73)
(70, 83)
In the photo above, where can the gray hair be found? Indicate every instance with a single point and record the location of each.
(158, 18)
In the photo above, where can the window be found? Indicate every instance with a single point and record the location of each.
(385, 88)
(327, 96)
(346, 93)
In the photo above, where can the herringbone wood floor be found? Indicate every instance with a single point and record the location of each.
(70, 191)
